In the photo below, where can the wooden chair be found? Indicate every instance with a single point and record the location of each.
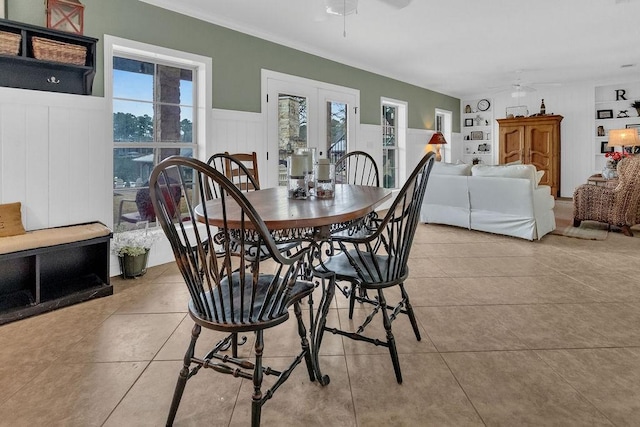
(618, 206)
(243, 178)
(378, 261)
(250, 161)
(358, 168)
(234, 168)
(228, 293)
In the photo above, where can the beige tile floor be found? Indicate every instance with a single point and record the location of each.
(514, 333)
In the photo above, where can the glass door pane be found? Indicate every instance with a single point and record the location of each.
(337, 130)
(292, 129)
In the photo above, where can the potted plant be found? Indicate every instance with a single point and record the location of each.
(132, 248)
(636, 104)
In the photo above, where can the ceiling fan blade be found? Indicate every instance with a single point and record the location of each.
(398, 4)
(317, 10)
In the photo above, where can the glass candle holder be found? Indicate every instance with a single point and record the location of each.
(311, 158)
(325, 175)
(297, 176)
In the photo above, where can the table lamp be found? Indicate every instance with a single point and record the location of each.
(623, 138)
(437, 139)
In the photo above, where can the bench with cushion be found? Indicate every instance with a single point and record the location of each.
(45, 269)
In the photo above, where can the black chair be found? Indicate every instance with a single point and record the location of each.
(358, 168)
(228, 293)
(379, 261)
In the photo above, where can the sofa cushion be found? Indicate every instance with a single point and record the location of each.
(539, 175)
(506, 171)
(441, 168)
(11, 220)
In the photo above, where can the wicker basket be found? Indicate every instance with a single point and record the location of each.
(9, 43)
(51, 50)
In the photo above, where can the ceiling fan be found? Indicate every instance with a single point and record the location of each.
(519, 89)
(325, 8)
(322, 9)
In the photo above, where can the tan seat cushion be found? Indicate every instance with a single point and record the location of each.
(53, 236)
(11, 220)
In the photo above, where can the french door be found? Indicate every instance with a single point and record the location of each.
(303, 113)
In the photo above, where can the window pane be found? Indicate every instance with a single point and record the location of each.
(336, 130)
(389, 168)
(174, 123)
(132, 79)
(175, 85)
(132, 168)
(292, 129)
(132, 121)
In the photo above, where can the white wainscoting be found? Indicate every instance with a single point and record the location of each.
(55, 157)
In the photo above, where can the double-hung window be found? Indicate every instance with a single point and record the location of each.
(154, 117)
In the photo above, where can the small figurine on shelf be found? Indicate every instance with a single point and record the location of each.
(543, 108)
(623, 114)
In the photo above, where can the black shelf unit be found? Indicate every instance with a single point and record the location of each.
(35, 281)
(26, 72)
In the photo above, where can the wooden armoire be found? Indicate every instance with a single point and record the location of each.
(533, 140)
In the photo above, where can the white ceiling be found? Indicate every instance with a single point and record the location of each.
(457, 47)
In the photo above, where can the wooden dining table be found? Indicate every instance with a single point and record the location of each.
(294, 218)
(310, 220)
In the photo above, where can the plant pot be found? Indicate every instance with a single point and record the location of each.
(133, 266)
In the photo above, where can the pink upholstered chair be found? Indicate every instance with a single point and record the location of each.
(619, 206)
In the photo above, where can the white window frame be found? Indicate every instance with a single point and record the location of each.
(402, 123)
(116, 46)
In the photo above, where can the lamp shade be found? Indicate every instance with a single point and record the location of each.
(623, 137)
(437, 139)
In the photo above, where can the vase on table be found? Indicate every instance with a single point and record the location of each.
(610, 170)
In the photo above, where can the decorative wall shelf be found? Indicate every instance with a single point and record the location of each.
(613, 110)
(477, 125)
(23, 70)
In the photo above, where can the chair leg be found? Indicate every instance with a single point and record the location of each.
(184, 375)
(410, 313)
(256, 399)
(352, 299)
(576, 222)
(302, 331)
(391, 341)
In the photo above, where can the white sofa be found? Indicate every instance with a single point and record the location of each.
(502, 199)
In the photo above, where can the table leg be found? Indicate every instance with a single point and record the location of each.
(318, 321)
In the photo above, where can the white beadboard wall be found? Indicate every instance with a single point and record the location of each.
(55, 157)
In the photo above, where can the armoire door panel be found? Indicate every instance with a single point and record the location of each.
(538, 140)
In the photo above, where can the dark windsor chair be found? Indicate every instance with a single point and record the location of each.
(229, 293)
(378, 261)
(358, 168)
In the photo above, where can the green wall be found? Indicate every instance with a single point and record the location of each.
(238, 59)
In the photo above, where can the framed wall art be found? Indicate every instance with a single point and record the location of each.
(604, 148)
(634, 125)
(468, 122)
(605, 114)
(478, 134)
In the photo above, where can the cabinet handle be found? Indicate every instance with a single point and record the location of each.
(53, 80)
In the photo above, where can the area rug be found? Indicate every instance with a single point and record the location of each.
(588, 230)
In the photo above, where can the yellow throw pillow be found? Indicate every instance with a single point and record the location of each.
(11, 220)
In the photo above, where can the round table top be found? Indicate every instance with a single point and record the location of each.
(279, 212)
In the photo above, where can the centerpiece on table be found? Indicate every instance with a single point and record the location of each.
(132, 248)
(610, 170)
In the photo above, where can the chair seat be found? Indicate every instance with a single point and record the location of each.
(246, 316)
(369, 277)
